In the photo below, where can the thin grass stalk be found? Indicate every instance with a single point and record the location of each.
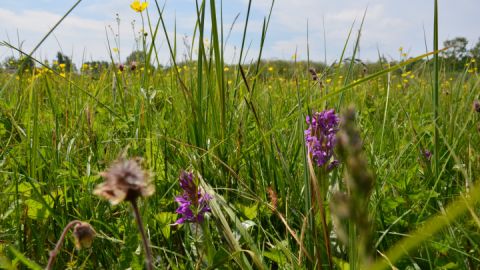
(58, 246)
(90, 95)
(319, 193)
(266, 23)
(218, 68)
(42, 40)
(385, 112)
(306, 182)
(432, 226)
(242, 47)
(141, 228)
(436, 154)
(352, 60)
(199, 132)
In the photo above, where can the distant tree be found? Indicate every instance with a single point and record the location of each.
(97, 65)
(21, 65)
(65, 60)
(475, 51)
(456, 54)
(136, 56)
(95, 68)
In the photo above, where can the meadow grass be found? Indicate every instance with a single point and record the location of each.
(240, 129)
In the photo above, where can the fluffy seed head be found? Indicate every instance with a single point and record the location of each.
(124, 180)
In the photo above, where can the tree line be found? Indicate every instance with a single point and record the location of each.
(455, 57)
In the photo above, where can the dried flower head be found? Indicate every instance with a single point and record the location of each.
(272, 195)
(320, 137)
(476, 106)
(124, 180)
(133, 66)
(313, 73)
(84, 235)
(193, 202)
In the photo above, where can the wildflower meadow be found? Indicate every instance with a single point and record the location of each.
(240, 163)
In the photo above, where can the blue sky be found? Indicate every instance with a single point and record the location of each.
(389, 24)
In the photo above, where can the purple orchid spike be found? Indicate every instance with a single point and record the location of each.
(320, 137)
(193, 203)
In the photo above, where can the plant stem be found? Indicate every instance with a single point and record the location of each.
(436, 154)
(146, 245)
(54, 253)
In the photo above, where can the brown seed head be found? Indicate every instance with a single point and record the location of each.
(272, 195)
(313, 73)
(476, 106)
(133, 66)
(84, 235)
(124, 180)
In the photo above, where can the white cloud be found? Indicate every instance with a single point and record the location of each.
(388, 25)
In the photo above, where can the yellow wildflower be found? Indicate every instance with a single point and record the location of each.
(138, 7)
(62, 65)
(226, 69)
(115, 50)
(270, 69)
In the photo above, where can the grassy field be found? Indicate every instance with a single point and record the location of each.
(406, 196)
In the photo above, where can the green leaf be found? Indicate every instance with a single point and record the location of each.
(450, 265)
(276, 256)
(249, 211)
(36, 210)
(221, 257)
(343, 265)
(166, 219)
(30, 264)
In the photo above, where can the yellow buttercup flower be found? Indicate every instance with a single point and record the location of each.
(138, 7)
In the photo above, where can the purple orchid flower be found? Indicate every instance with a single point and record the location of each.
(193, 203)
(320, 137)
